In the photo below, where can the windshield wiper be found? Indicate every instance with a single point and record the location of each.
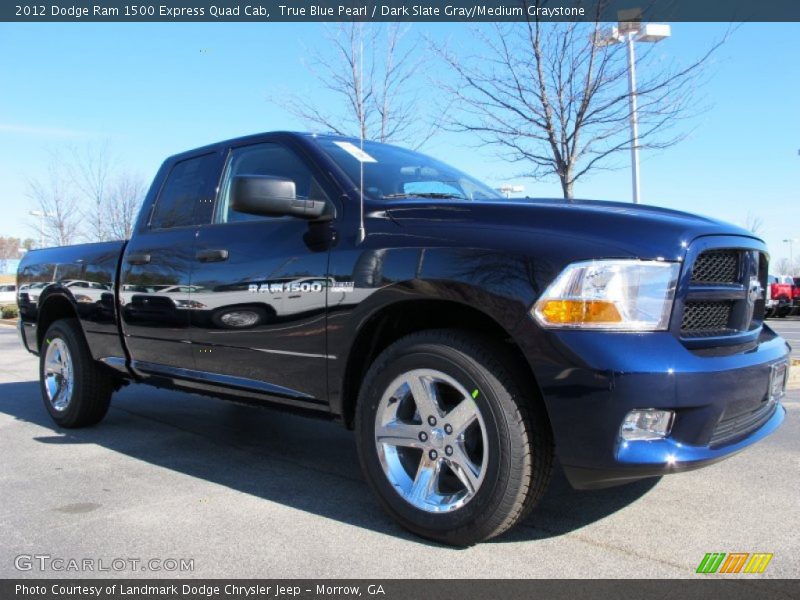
(436, 195)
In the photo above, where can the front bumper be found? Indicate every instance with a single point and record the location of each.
(591, 380)
(639, 460)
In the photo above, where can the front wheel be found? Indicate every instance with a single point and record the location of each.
(453, 442)
(76, 390)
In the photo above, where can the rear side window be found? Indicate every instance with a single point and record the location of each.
(185, 198)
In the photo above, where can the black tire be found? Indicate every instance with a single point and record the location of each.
(519, 441)
(92, 385)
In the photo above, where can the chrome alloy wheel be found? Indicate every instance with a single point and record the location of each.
(59, 378)
(431, 440)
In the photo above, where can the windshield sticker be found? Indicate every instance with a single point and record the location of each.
(355, 152)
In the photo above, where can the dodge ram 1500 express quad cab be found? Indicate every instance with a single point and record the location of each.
(468, 339)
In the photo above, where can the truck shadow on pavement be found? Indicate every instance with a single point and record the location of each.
(306, 464)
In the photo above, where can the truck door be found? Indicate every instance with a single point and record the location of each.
(260, 285)
(155, 281)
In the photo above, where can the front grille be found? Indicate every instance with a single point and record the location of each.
(706, 318)
(730, 429)
(720, 299)
(716, 267)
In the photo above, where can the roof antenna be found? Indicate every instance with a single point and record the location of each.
(362, 233)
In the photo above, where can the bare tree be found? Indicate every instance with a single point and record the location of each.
(86, 195)
(122, 201)
(10, 248)
(55, 196)
(550, 98)
(91, 170)
(787, 267)
(753, 223)
(372, 70)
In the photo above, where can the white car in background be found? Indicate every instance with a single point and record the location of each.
(8, 294)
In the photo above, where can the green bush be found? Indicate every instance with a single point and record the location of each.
(9, 312)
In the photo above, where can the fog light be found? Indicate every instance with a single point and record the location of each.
(646, 424)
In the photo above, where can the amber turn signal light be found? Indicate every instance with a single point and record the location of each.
(565, 312)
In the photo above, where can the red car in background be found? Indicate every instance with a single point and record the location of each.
(782, 295)
(796, 296)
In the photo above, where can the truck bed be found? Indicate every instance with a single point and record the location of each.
(88, 274)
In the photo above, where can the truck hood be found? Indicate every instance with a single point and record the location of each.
(600, 227)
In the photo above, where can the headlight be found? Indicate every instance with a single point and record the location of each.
(620, 295)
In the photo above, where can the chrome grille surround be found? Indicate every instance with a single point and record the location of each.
(720, 297)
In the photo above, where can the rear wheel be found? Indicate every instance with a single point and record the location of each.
(452, 442)
(76, 390)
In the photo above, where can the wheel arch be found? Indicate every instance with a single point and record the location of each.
(58, 304)
(405, 317)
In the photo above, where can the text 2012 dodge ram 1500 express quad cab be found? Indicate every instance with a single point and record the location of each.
(468, 339)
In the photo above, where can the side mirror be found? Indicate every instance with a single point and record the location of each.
(272, 197)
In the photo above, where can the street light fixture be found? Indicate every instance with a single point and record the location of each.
(630, 30)
(42, 216)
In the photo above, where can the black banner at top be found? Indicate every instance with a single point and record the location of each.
(397, 10)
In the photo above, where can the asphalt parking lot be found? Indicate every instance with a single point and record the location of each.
(789, 328)
(254, 493)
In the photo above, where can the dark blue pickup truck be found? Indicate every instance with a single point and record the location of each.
(468, 339)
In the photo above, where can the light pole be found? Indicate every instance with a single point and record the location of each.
(791, 242)
(42, 216)
(630, 30)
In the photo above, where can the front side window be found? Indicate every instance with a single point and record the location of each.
(265, 159)
(184, 199)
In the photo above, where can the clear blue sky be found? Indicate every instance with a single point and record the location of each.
(150, 90)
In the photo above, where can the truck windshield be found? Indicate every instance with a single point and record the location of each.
(392, 172)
